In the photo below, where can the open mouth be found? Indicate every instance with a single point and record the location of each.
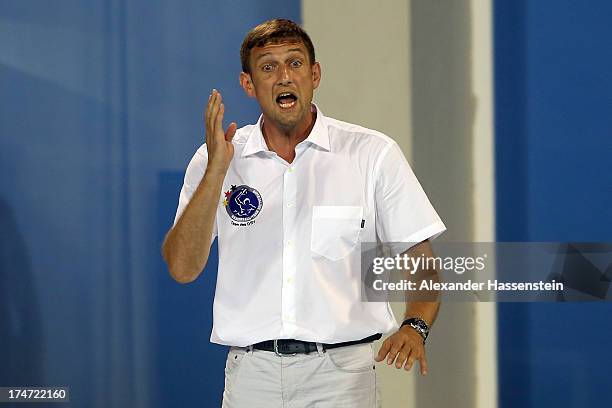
(286, 100)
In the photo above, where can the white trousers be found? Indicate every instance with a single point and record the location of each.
(340, 377)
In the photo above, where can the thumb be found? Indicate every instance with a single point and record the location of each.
(231, 131)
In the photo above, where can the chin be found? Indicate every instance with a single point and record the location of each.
(288, 121)
(288, 125)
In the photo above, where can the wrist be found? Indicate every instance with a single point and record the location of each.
(215, 172)
(418, 325)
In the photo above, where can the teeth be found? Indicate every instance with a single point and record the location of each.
(284, 94)
(287, 105)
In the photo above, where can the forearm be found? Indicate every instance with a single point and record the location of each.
(427, 311)
(187, 244)
(407, 344)
(423, 304)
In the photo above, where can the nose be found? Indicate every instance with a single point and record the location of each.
(284, 77)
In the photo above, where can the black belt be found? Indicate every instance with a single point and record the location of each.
(292, 347)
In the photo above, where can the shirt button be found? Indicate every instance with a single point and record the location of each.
(290, 170)
(288, 280)
(289, 205)
(290, 243)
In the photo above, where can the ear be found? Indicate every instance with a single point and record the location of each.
(316, 75)
(247, 84)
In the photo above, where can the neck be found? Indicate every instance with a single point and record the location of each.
(283, 141)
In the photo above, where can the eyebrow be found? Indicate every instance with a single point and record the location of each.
(265, 54)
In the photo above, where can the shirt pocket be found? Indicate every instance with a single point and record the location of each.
(335, 230)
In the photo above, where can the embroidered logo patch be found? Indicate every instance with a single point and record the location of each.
(242, 203)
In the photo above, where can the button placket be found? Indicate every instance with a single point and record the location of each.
(288, 296)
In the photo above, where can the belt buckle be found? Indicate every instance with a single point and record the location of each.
(278, 353)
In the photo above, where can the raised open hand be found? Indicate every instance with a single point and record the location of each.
(218, 143)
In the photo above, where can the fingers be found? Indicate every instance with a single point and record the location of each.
(207, 112)
(392, 354)
(423, 364)
(392, 349)
(209, 108)
(215, 112)
(401, 357)
(218, 121)
(409, 362)
(414, 356)
(384, 349)
(218, 143)
(403, 353)
(212, 113)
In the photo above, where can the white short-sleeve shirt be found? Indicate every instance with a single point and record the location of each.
(289, 233)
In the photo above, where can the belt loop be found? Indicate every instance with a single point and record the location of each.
(320, 349)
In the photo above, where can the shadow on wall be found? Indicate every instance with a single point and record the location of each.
(21, 335)
(443, 120)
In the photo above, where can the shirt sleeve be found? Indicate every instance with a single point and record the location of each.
(193, 176)
(404, 214)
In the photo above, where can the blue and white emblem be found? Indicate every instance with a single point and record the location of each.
(242, 203)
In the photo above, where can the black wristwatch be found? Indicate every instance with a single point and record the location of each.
(419, 325)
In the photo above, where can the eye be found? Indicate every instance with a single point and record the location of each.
(267, 68)
(296, 63)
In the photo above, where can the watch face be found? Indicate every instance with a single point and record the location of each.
(420, 326)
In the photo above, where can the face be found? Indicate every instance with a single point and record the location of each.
(283, 80)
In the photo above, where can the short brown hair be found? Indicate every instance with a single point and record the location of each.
(273, 32)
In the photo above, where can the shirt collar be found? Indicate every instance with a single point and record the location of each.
(319, 136)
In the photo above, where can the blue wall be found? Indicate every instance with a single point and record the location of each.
(553, 135)
(101, 109)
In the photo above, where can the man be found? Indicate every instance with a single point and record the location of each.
(290, 199)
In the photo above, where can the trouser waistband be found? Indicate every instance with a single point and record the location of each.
(291, 346)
